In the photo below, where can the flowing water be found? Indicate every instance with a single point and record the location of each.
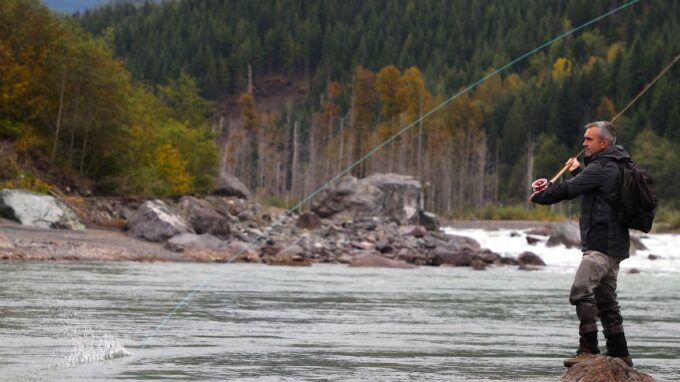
(109, 321)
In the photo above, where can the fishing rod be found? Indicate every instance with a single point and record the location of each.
(543, 183)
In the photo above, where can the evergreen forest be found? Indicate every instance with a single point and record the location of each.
(155, 98)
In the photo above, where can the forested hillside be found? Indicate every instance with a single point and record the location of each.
(67, 106)
(372, 67)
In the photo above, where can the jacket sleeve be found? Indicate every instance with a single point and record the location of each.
(585, 180)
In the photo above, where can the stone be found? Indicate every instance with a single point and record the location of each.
(155, 221)
(369, 259)
(429, 220)
(458, 259)
(489, 257)
(186, 241)
(567, 234)
(229, 185)
(529, 258)
(394, 197)
(418, 231)
(383, 246)
(203, 217)
(37, 210)
(478, 264)
(603, 368)
(634, 271)
(636, 244)
(308, 220)
(531, 240)
(654, 257)
(463, 242)
(240, 251)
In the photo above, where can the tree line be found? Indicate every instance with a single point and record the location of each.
(375, 66)
(65, 97)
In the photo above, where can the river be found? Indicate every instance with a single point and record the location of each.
(105, 321)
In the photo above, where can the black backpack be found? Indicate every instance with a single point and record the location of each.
(637, 197)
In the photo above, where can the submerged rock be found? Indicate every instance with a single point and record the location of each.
(529, 258)
(567, 234)
(604, 369)
(37, 210)
(371, 260)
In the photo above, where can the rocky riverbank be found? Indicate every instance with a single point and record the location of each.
(375, 221)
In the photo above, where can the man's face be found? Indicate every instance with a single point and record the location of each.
(593, 142)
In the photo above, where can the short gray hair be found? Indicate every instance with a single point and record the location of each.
(606, 130)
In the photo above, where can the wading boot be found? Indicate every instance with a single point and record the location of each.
(587, 349)
(617, 347)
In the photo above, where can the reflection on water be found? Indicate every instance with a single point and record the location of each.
(63, 321)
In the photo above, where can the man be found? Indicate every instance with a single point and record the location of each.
(605, 240)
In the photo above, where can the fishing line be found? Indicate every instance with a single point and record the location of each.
(199, 287)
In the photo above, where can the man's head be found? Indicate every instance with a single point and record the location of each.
(597, 137)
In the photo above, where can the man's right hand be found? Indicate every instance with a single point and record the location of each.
(572, 164)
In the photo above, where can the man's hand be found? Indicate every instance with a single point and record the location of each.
(572, 164)
(531, 197)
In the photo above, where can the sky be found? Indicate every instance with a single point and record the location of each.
(72, 6)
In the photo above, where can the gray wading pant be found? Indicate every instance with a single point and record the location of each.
(594, 293)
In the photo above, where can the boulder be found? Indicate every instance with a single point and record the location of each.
(458, 259)
(240, 251)
(429, 220)
(529, 258)
(567, 234)
(463, 242)
(371, 259)
(37, 210)
(489, 257)
(636, 244)
(185, 241)
(156, 221)
(603, 368)
(308, 220)
(395, 197)
(291, 255)
(229, 185)
(478, 264)
(532, 240)
(203, 217)
(383, 246)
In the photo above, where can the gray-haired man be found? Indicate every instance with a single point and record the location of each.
(605, 240)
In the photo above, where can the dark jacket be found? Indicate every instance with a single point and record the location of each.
(601, 228)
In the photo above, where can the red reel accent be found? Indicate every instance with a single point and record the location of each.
(539, 184)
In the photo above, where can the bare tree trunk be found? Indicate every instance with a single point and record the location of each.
(62, 90)
(420, 135)
(73, 129)
(530, 169)
(294, 172)
(341, 165)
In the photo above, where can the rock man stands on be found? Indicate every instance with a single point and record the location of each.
(605, 240)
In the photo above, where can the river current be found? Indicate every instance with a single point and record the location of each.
(115, 321)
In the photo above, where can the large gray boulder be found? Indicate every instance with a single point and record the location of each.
(229, 185)
(156, 221)
(203, 217)
(37, 210)
(395, 197)
(567, 234)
